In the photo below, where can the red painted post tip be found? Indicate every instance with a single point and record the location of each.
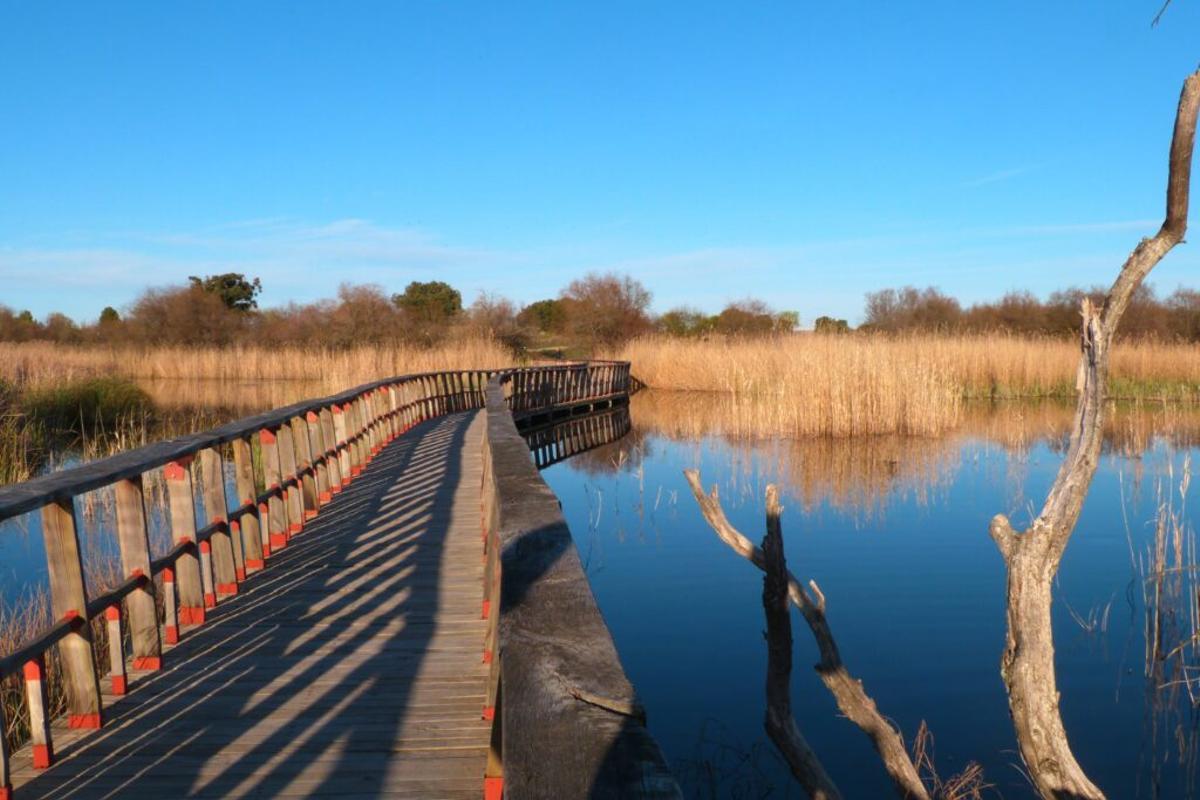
(210, 600)
(335, 489)
(147, 663)
(493, 789)
(240, 574)
(87, 721)
(256, 563)
(310, 513)
(171, 633)
(206, 546)
(266, 436)
(6, 793)
(227, 588)
(118, 684)
(43, 757)
(175, 470)
(489, 713)
(278, 541)
(295, 528)
(487, 609)
(33, 670)
(311, 416)
(191, 615)
(487, 656)
(326, 497)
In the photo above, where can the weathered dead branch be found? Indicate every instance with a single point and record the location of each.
(780, 724)
(1032, 556)
(852, 699)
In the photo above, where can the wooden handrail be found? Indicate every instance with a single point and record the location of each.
(566, 721)
(310, 450)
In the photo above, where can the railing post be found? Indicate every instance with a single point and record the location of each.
(68, 598)
(291, 483)
(251, 524)
(319, 451)
(333, 465)
(353, 439)
(277, 511)
(229, 566)
(307, 469)
(38, 701)
(116, 649)
(134, 541)
(393, 412)
(342, 432)
(191, 580)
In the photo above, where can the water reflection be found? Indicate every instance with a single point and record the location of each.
(895, 532)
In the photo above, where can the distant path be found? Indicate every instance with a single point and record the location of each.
(351, 668)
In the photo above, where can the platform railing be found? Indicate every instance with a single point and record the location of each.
(566, 721)
(307, 453)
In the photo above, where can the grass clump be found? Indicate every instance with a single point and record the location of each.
(86, 406)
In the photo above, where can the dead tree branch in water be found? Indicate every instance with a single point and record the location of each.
(852, 699)
(780, 724)
(1032, 556)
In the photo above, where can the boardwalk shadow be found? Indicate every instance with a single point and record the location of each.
(351, 667)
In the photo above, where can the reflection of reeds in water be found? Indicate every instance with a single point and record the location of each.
(1165, 570)
(858, 474)
(863, 473)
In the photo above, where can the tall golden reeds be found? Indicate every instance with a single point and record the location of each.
(37, 363)
(801, 385)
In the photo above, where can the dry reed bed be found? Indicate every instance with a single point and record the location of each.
(40, 363)
(808, 385)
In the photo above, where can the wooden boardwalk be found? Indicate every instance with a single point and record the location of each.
(351, 668)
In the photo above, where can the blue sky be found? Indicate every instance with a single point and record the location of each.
(800, 152)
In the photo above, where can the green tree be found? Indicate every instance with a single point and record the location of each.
(831, 325)
(429, 301)
(684, 321)
(237, 293)
(546, 316)
(109, 316)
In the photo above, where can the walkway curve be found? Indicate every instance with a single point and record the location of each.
(351, 668)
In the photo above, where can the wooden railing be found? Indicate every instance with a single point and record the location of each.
(565, 719)
(307, 453)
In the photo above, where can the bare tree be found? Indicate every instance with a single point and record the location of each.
(852, 699)
(780, 724)
(1032, 556)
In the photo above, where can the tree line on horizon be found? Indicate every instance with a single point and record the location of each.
(1175, 317)
(597, 310)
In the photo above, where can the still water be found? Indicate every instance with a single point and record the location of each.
(894, 531)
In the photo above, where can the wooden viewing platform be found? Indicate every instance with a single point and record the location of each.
(392, 607)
